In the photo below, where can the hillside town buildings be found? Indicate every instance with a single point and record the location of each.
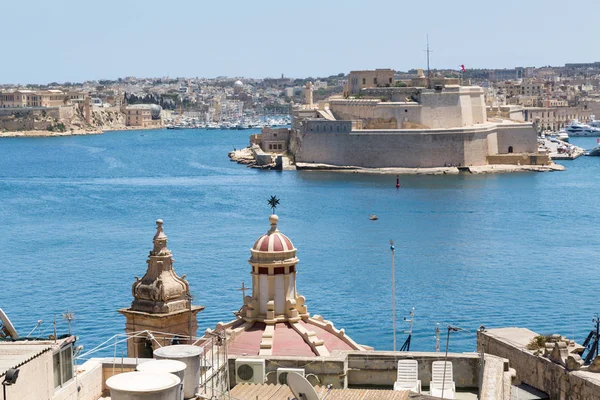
(567, 92)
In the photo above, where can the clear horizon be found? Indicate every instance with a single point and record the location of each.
(71, 41)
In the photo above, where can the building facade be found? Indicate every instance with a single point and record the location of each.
(358, 80)
(33, 98)
(143, 115)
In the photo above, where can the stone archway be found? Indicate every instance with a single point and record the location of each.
(510, 149)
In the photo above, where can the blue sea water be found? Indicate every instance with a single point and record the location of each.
(78, 216)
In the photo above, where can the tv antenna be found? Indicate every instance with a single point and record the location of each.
(39, 323)
(69, 316)
(406, 345)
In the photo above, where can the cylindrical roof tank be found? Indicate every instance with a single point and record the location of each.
(144, 386)
(174, 367)
(188, 354)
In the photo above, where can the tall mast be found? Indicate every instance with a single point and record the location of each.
(428, 69)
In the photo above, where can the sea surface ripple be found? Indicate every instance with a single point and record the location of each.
(78, 217)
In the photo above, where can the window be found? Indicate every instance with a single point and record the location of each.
(375, 81)
(390, 80)
(63, 366)
(364, 81)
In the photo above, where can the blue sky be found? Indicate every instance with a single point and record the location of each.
(77, 40)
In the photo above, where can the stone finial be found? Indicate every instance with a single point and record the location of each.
(160, 290)
(595, 365)
(559, 353)
(574, 362)
(160, 239)
(273, 219)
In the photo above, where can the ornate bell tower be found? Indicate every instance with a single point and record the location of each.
(161, 303)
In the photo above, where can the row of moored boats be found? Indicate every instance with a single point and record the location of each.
(195, 123)
(579, 129)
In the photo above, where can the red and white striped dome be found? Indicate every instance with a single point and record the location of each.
(273, 241)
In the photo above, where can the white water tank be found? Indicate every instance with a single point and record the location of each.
(174, 367)
(144, 386)
(190, 355)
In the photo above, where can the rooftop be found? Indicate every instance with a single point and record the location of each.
(246, 391)
(15, 354)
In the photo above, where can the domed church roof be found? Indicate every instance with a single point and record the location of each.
(273, 241)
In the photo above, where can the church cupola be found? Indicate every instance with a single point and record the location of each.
(274, 296)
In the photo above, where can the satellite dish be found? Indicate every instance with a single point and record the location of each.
(301, 388)
(7, 326)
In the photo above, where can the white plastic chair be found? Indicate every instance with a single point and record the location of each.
(408, 376)
(438, 382)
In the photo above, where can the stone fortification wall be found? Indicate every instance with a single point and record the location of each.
(393, 94)
(521, 137)
(325, 126)
(66, 113)
(520, 159)
(376, 114)
(400, 148)
(537, 371)
(24, 125)
(453, 107)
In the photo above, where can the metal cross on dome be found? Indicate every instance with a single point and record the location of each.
(273, 203)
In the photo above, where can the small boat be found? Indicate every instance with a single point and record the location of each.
(562, 135)
(373, 217)
(593, 152)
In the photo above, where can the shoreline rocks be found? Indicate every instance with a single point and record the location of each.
(246, 157)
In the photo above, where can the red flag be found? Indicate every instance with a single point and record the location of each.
(462, 67)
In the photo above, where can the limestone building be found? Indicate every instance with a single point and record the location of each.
(410, 127)
(143, 115)
(274, 320)
(161, 302)
(358, 80)
(33, 98)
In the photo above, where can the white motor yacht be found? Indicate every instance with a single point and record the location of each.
(576, 128)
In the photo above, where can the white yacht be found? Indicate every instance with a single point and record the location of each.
(594, 124)
(576, 128)
(562, 135)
